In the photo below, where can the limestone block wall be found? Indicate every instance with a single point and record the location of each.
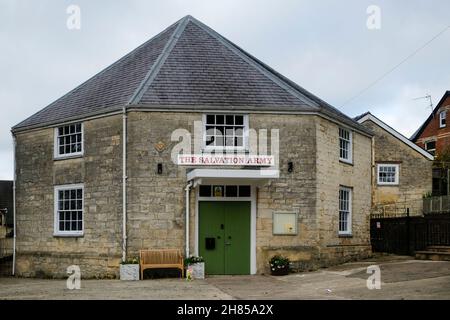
(156, 202)
(415, 178)
(331, 174)
(98, 252)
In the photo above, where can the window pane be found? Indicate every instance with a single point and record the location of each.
(61, 226)
(210, 119)
(205, 191)
(230, 120)
(229, 141)
(80, 225)
(78, 127)
(218, 191)
(60, 131)
(238, 120)
(67, 226)
(244, 191)
(219, 141)
(220, 119)
(231, 191)
(209, 140)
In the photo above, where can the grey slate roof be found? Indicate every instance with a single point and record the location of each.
(187, 66)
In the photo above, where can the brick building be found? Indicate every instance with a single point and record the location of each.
(97, 179)
(434, 134)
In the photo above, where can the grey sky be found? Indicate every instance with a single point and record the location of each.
(324, 46)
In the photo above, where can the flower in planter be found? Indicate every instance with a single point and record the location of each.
(193, 260)
(279, 264)
(134, 260)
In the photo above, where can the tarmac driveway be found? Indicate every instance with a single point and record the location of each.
(401, 278)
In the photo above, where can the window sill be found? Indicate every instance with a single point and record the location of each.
(68, 157)
(68, 235)
(345, 235)
(225, 151)
(387, 184)
(350, 163)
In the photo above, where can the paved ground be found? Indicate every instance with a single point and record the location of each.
(401, 278)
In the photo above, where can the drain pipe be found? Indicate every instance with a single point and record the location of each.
(187, 189)
(124, 186)
(14, 210)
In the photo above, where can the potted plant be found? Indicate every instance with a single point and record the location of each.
(129, 269)
(279, 265)
(195, 267)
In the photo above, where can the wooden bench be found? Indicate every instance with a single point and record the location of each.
(161, 258)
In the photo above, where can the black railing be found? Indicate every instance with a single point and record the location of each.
(405, 235)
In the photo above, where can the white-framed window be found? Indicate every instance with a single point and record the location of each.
(345, 145)
(69, 210)
(345, 211)
(430, 146)
(442, 119)
(69, 140)
(225, 131)
(388, 174)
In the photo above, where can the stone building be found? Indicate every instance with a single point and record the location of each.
(402, 172)
(97, 179)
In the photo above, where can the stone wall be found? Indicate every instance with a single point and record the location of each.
(156, 202)
(331, 174)
(98, 252)
(415, 176)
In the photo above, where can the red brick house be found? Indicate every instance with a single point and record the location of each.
(434, 134)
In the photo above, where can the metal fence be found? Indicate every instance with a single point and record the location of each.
(436, 205)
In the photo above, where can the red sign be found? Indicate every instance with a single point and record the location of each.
(225, 160)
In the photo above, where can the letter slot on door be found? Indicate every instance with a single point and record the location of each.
(210, 243)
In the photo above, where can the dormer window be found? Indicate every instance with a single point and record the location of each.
(442, 119)
(69, 141)
(225, 131)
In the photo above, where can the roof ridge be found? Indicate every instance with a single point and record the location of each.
(255, 62)
(99, 73)
(156, 67)
(395, 134)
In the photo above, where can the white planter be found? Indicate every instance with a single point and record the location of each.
(129, 272)
(198, 270)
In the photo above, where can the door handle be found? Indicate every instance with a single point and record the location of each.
(228, 243)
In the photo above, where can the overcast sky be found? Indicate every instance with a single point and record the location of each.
(324, 46)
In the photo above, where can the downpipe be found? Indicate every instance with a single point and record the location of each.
(187, 189)
(124, 185)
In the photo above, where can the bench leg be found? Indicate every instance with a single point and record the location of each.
(142, 274)
(182, 273)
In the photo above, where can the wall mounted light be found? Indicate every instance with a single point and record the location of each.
(290, 167)
(160, 168)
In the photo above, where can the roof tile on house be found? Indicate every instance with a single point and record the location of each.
(187, 66)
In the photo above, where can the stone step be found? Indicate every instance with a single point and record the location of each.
(433, 255)
(438, 248)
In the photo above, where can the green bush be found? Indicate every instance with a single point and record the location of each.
(134, 260)
(193, 260)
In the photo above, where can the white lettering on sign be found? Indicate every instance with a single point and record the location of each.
(228, 160)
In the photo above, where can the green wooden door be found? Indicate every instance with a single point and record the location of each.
(224, 236)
